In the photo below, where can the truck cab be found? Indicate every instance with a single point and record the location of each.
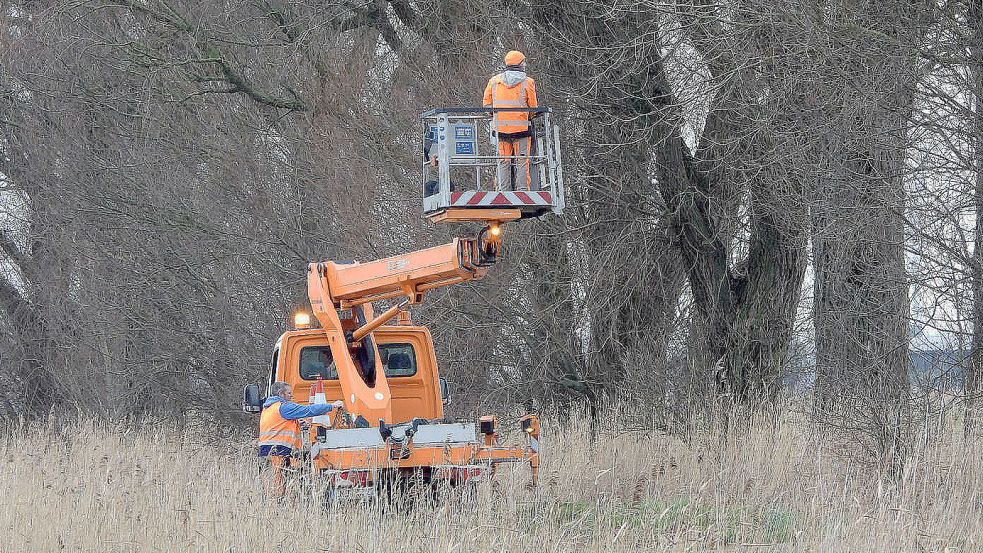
(302, 357)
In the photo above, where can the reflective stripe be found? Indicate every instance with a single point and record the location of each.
(497, 79)
(278, 434)
(289, 444)
(278, 430)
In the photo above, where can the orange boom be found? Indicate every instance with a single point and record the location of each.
(383, 367)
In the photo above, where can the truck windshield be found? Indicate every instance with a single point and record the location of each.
(398, 360)
(315, 361)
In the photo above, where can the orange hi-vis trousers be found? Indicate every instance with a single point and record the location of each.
(276, 486)
(514, 174)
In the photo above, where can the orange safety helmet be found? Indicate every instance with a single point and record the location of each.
(514, 57)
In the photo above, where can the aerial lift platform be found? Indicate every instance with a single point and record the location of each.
(383, 367)
(459, 168)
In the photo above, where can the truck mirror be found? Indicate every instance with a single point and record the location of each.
(252, 401)
(445, 391)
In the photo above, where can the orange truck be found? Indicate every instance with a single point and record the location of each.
(383, 366)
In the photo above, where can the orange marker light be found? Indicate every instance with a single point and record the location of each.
(302, 320)
(496, 230)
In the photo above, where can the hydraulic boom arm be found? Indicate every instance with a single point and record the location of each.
(411, 275)
(341, 296)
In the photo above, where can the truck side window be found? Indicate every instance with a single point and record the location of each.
(316, 361)
(398, 359)
(273, 367)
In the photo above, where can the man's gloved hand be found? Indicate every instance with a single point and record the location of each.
(337, 404)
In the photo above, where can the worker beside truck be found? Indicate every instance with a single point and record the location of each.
(280, 433)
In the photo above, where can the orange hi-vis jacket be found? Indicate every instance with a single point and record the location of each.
(277, 435)
(499, 94)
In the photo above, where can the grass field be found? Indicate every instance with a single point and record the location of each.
(89, 488)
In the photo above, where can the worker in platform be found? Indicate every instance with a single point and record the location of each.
(512, 88)
(279, 431)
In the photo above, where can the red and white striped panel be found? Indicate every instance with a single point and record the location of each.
(479, 198)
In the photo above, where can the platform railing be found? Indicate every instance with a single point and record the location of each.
(462, 153)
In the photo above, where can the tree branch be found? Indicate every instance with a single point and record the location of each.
(11, 249)
(214, 55)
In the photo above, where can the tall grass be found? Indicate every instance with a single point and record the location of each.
(87, 487)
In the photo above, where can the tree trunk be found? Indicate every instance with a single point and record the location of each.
(973, 383)
(861, 308)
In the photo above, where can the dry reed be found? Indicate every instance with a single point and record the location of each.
(89, 488)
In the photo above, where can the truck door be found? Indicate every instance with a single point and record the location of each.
(408, 359)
